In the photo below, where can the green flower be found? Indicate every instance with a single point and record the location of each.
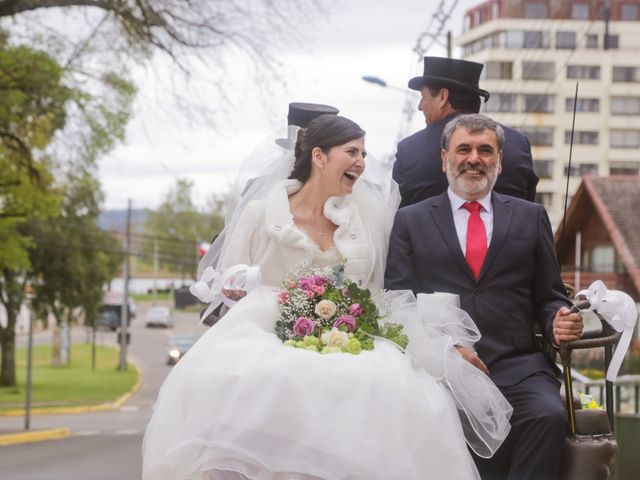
(313, 348)
(353, 346)
(289, 343)
(330, 349)
(311, 341)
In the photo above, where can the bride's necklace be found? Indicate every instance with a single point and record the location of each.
(320, 232)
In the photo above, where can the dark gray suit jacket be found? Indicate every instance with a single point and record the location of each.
(418, 165)
(519, 283)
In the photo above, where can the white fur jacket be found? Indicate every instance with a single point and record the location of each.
(265, 235)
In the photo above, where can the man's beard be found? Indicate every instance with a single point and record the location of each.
(481, 185)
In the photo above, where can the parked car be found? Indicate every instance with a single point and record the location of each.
(179, 345)
(107, 320)
(159, 317)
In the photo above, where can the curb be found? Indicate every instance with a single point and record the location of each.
(30, 437)
(81, 408)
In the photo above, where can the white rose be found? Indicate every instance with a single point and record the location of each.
(335, 338)
(325, 309)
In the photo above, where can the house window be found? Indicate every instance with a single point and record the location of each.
(580, 11)
(536, 10)
(581, 137)
(592, 40)
(625, 105)
(588, 72)
(539, 136)
(544, 198)
(581, 169)
(538, 70)
(629, 12)
(625, 74)
(623, 168)
(602, 259)
(583, 105)
(565, 39)
(543, 168)
(537, 103)
(501, 102)
(625, 138)
(498, 71)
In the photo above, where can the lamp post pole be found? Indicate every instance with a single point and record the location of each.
(27, 403)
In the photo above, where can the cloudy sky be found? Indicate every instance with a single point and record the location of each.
(356, 38)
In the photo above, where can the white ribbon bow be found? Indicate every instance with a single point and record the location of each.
(619, 310)
(209, 289)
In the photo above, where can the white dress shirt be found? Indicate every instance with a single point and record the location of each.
(461, 217)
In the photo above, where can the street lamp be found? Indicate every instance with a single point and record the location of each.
(378, 81)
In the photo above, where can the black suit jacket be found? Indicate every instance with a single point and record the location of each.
(418, 165)
(519, 283)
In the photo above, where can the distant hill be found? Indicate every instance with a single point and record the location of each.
(116, 220)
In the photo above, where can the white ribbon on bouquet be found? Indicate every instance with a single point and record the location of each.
(211, 286)
(619, 310)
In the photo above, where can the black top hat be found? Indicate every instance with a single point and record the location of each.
(450, 72)
(300, 114)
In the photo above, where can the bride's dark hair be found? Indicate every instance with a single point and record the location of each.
(325, 131)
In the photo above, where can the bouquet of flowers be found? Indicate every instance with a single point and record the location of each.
(322, 311)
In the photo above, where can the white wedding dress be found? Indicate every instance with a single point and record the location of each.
(241, 405)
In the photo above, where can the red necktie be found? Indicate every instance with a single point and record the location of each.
(476, 238)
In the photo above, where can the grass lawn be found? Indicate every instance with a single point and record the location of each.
(148, 297)
(72, 385)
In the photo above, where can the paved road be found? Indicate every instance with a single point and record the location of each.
(103, 445)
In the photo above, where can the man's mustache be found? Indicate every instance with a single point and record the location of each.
(466, 167)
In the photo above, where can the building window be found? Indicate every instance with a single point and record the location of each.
(584, 72)
(600, 258)
(501, 102)
(584, 105)
(580, 11)
(581, 169)
(625, 74)
(534, 39)
(539, 136)
(495, 10)
(498, 71)
(623, 168)
(537, 103)
(543, 168)
(592, 40)
(538, 70)
(612, 41)
(581, 137)
(565, 39)
(625, 105)
(536, 10)
(544, 198)
(467, 23)
(629, 12)
(625, 138)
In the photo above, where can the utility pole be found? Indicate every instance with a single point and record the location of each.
(449, 44)
(27, 404)
(124, 317)
(155, 271)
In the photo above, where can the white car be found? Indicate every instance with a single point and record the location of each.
(159, 317)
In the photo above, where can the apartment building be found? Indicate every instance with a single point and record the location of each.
(535, 52)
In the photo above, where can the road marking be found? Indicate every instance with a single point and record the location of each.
(128, 408)
(131, 431)
(86, 433)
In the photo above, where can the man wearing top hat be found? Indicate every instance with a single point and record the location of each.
(449, 87)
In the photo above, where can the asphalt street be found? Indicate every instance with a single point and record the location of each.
(103, 445)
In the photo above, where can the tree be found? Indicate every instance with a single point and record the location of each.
(72, 258)
(207, 35)
(177, 226)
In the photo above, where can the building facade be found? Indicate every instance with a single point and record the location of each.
(535, 52)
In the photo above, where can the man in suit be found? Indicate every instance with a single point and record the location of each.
(496, 252)
(449, 87)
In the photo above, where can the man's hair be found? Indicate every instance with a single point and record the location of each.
(473, 123)
(460, 100)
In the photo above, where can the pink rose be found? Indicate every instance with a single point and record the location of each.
(303, 326)
(318, 289)
(355, 310)
(283, 297)
(310, 294)
(348, 320)
(319, 280)
(291, 284)
(306, 283)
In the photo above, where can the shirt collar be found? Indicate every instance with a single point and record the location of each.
(457, 201)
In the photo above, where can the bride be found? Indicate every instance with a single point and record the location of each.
(241, 405)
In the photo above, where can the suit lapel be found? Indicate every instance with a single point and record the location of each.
(501, 223)
(443, 219)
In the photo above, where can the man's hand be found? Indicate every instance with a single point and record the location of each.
(567, 326)
(234, 294)
(472, 358)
